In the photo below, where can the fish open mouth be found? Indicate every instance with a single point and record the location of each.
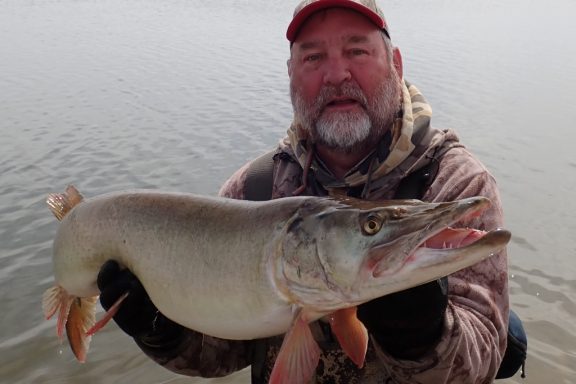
(453, 238)
(450, 245)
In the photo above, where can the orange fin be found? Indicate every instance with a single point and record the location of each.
(62, 203)
(298, 356)
(81, 317)
(75, 314)
(57, 300)
(107, 317)
(351, 334)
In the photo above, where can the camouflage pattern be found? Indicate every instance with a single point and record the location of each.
(473, 340)
(407, 148)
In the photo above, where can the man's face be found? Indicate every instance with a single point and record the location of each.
(344, 89)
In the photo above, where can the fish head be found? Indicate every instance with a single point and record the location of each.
(340, 253)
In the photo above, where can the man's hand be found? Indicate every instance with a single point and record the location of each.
(408, 323)
(137, 315)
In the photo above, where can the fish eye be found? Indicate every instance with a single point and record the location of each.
(372, 225)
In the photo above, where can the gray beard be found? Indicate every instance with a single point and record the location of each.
(349, 131)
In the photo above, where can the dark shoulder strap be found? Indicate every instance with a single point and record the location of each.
(415, 184)
(259, 179)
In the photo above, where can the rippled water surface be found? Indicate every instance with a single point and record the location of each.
(176, 94)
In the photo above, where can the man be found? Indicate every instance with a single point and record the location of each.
(359, 129)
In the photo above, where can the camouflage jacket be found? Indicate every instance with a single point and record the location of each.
(473, 339)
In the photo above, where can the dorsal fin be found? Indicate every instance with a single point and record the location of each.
(61, 203)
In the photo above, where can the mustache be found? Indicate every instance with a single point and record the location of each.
(349, 90)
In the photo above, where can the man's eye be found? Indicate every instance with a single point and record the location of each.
(312, 57)
(358, 52)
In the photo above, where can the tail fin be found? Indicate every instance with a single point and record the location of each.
(61, 203)
(76, 314)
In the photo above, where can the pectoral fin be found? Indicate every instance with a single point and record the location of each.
(298, 356)
(351, 334)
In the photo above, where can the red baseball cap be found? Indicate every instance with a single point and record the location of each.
(307, 7)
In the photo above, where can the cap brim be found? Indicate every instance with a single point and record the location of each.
(307, 11)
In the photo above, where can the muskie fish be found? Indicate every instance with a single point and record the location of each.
(244, 270)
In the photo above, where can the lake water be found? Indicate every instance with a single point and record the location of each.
(175, 95)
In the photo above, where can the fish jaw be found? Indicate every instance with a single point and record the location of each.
(383, 261)
(347, 254)
(425, 264)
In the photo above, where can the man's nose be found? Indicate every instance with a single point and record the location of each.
(336, 71)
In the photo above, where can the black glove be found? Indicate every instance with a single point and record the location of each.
(137, 315)
(408, 323)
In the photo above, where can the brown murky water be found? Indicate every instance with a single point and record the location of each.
(176, 94)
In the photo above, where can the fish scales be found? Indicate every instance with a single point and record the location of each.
(200, 254)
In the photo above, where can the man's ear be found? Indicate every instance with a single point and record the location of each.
(397, 61)
(289, 65)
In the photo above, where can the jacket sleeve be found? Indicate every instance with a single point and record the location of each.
(234, 187)
(196, 354)
(474, 334)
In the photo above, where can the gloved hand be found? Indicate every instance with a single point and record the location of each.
(137, 315)
(408, 323)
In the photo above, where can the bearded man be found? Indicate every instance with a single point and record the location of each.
(359, 130)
